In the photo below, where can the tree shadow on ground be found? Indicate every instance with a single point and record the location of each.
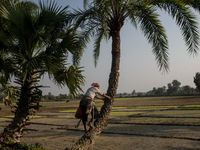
(181, 148)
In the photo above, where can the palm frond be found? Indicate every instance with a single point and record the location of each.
(85, 3)
(71, 77)
(94, 23)
(155, 34)
(186, 20)
(130, 12)
(98, 39)
(81, 17)
(75, 44)
(193, 3)
(6, 67)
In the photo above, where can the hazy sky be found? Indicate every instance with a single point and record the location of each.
(138, 68)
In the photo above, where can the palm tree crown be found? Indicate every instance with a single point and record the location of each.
(106, 17)
(36, 40)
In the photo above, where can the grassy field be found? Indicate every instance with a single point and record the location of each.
(151, 107)
(151, 122)
(158, 110)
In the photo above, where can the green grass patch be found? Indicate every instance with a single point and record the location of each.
(134, 108)
(120, 114)
(155, 98)
(30, 116)
(6, 118)
(121, 107)
(68, 111)
(74, 110)
(156, 106)
(189, 107)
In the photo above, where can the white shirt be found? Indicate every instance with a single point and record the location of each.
(92, 92)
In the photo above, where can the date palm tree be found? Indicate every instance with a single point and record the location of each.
(36, 40)
(104, 19)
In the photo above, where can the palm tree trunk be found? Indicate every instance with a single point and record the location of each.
(15, 128)
(89, 138)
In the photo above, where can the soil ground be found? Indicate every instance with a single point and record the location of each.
(147, 129)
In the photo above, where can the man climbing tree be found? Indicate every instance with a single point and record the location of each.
(87, 105)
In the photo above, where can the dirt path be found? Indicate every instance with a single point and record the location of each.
(60, 139)
(58, 134)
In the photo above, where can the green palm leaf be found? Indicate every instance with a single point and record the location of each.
(71, 77)
(185, 19)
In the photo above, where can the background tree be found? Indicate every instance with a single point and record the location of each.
(187, 89)
(170, 89)
(197, 80)
(63, 96)
(157, 91)
(50, 97)
(175, 85)
(105, 18)
(36, 40)
(133, 93)
(160, 91)
(154, 90)
(120, 95)
(125, 94)
(164, 89)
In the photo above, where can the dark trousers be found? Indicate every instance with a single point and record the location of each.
(84, 104)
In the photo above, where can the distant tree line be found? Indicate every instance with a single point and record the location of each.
(174, 88)
(60, 97)
(47, 97)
